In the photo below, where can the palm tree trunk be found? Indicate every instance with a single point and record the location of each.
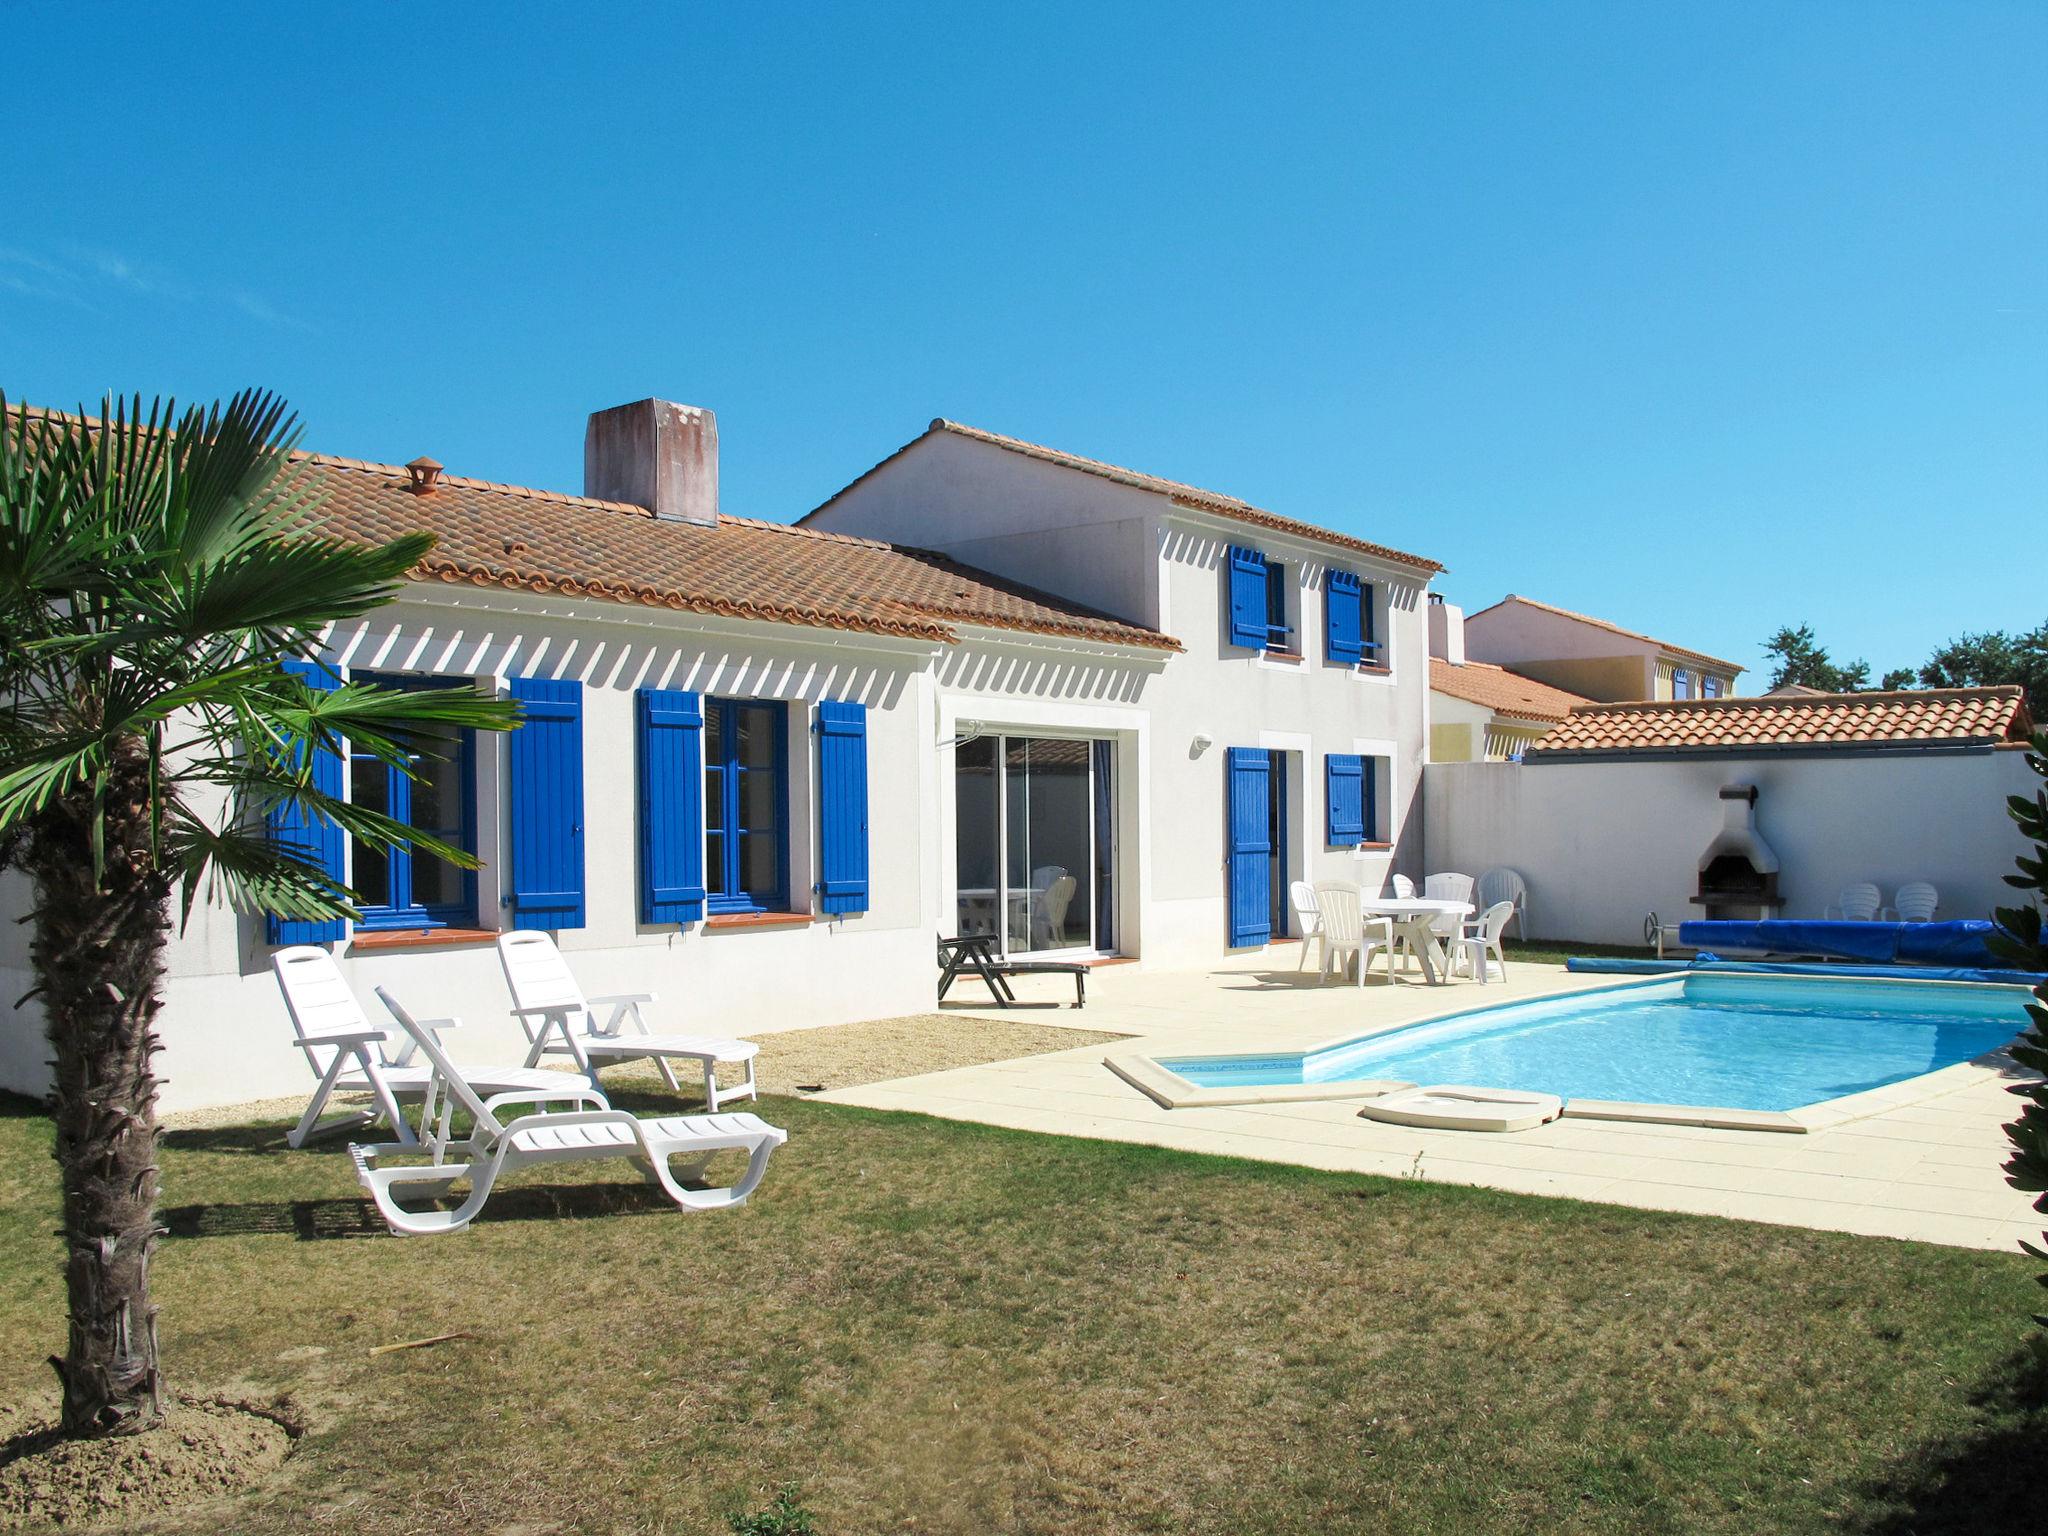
(98, 953)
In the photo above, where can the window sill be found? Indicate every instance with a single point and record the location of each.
(1289, 658)
(722, 921)
(1375, 669)
(420, 938)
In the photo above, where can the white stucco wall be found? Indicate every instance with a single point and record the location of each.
(1603, 843)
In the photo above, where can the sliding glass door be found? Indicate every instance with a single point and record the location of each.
(1033, 842)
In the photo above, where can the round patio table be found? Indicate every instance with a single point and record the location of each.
(1414, 917)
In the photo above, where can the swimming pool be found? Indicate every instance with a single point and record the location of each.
(1732, 1041)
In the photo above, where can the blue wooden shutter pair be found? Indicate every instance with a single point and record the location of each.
(295, 826)
(1343, 625)
(842, 807)
(546, 793)
(669, 747)
(1247, 570)
(1344, 780)
(1250, 812)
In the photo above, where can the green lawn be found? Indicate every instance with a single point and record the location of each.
(940, 1327)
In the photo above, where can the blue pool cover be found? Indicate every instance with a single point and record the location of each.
(1964, 943)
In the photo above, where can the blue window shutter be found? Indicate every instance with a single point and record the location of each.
(669, 744)
(1247, 569)
(1344, 797)
(1251, 845)
(1342, 622)
(546, 792)
(320, 838)
(842, 807)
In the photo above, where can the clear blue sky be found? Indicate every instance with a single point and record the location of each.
(1702, 318)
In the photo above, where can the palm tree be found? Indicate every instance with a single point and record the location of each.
(156, 571)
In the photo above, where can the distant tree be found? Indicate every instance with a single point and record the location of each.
(1897, 678)
(1989, 659)
(1803, 662)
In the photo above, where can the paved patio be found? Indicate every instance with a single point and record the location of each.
(1918, 1160)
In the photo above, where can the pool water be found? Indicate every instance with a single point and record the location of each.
(1729, 1041)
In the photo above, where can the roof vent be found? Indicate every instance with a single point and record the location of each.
(425, 472)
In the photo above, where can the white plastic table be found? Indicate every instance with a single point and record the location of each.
(1414, 917)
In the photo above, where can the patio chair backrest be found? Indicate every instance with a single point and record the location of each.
(536, 972)
(1447, 887)
(319, 1000)
(1404, 888)
(1339, 911)
(1058, 897)
(1046, 875)
(1500, 884)
(1301, 897)
(1916, 902)
(450, 1074)
(1859, 902)
(1494, 920)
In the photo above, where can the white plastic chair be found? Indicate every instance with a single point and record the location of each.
(1301, 896)
(1858, 903)
(1916, 902)
(495, 1147)
(558, 1018)
(348, 1053)
(1483, 942)
(1049, 912)
(1500, 884)
(1347, 935)
(1404, 888)
(1447, 887)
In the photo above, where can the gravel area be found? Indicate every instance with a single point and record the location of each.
(794, 1061)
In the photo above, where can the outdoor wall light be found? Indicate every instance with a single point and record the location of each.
(1203, 742)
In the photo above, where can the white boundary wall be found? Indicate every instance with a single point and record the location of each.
(1603, 843)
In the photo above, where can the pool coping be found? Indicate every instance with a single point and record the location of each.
(1170, 1090)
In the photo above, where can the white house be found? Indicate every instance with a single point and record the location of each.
(1479, 711)
(1590, 656)
(986, 688)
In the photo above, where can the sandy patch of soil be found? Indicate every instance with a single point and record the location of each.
(203, 1450)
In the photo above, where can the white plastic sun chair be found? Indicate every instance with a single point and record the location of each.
(1858, 903)
(1404, 888)
(495, 1147)
(1346, 933)
(1503, 884)
(1481, 943)
(1301, 897)
(1447, 887)
(559, 1019)
(1916, 902)
(349, 1054)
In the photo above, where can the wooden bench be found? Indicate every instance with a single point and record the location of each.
(977, 954)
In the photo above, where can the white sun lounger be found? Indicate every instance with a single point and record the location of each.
(496, 1147)
(558, 1018)
(348, 1053)
(1453, 1107)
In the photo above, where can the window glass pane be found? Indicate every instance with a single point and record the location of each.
(1052, 907)
(369, 786)
(757, 800)
(974, 836)
(714, 862)
(435, 883)
(1276, 598)
(437, 781)
(759, 874)
(755, 746)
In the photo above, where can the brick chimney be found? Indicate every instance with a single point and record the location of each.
(1446, 630)
(655, 454)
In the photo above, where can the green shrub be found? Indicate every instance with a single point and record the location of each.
(784, 1517)
(2025, 943)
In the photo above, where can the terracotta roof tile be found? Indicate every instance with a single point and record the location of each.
(1504, 692)
(1190, 496)
(1586, 618)
(516, 537)
(1910, 717)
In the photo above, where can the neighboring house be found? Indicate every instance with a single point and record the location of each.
(1618, 811)
(1285, 742)
(1478, 711)
(1592, 657)
(765, 766)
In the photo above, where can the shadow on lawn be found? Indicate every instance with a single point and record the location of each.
(1985, 1481)
(312, 1221)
